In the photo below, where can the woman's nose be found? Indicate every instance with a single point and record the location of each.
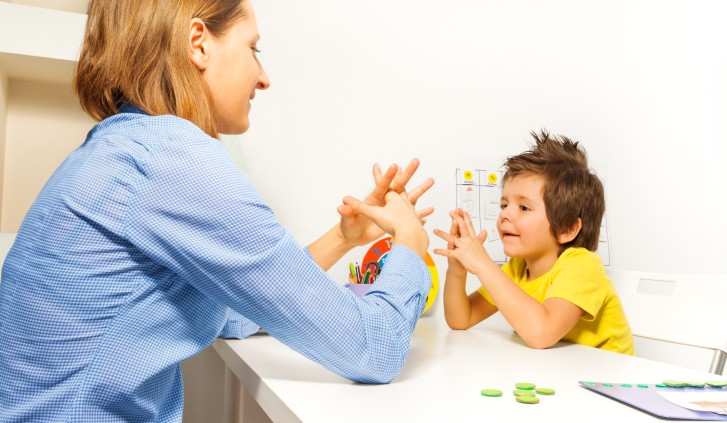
(263, 82)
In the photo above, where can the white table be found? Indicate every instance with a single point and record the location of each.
(442, 378)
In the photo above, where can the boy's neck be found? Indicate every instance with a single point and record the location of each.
(538, 266)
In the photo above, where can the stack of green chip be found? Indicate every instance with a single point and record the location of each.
(525, 392)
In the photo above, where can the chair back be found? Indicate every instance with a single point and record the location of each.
(675, 311)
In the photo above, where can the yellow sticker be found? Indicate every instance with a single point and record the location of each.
(467, 175)
(492, 178)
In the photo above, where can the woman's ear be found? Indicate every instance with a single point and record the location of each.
(571, 233)
(198, 43)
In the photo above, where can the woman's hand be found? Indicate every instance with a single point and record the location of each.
(397, 217)
(358, 229)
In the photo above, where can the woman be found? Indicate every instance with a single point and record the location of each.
(147, 244)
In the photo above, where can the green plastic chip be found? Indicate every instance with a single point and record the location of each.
(675, 383)
(491, 392)
(693, 384)
(527, 399)
(525, 385)
(716, 383)
(545, 391)
(523, 392)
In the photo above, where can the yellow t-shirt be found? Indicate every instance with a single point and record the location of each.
(578, 276)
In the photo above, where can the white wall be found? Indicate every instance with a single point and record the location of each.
(643, 84)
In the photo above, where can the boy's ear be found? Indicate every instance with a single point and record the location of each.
(197, 43)
(571, 233)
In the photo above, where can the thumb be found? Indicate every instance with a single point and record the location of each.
(344, 210)
(353, 206)
(482, 236)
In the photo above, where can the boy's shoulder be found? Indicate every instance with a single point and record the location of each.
(579, 254)
(580, 261)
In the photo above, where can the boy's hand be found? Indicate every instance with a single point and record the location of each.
(463, 243)
(454, 267)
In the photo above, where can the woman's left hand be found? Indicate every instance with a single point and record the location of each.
(356, 228)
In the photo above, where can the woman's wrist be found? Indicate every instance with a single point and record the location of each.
(415, 238)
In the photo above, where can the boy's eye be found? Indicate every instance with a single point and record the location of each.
(523, 207)
(503, 206)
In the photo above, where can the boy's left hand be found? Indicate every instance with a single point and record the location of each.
(463, 243)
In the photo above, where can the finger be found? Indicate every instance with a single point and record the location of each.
(420, 190)
(470, 227)
(442, 252)
(459, 221)
(345, 211)
(425, 212)
(441, 234)
(402, 178)
(353, 203)
(482, 236)
(383, 181)
(453, 228)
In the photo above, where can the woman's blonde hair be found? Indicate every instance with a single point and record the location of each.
(135, 51)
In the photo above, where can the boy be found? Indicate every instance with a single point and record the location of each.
(554, 287)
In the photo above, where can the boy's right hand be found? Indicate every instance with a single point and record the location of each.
(463, 243)
(454, 267)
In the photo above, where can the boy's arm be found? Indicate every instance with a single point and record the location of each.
(460, 310)
(540, 325)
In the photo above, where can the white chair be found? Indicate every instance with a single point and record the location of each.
(6, 241)
(676, 318)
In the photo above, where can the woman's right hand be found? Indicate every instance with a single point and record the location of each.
(356, 228)
(397, 217)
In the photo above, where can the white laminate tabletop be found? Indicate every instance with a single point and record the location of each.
(442, 378)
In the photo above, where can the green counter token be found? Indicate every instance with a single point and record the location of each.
(491, 392)
(523, 392)
(675, 383)
(693, 384)
(525, 385)
(545, 391)
(527, 399)
(716, 383)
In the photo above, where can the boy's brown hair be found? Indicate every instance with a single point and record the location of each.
(136, 52)
(571, 191)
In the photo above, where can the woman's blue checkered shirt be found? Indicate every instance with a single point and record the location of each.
(143, 247)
